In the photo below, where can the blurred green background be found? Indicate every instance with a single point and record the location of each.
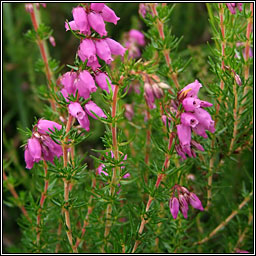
(21, 105)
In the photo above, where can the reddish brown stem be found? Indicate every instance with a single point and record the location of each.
(15, 195)
(115, 170)
(44, 56)
(166, 52)
(66, 185)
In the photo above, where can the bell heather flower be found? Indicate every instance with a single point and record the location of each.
(137, 36)
(80, 18)
(195, 118)
(40, 146)
(232, 7)
(87, 51)
(85, 84)
(109, 15)
(182, 201)
(97, 23)
(189, 119)
(195, 202)
(184, 134)
(34, 149)
(174, 207)
(191, 90)
(76, 111)
(115, 47)
(97, 7)
(44, 126)
(103, 50)
(101, 79)
(91, 106)
(67, 80)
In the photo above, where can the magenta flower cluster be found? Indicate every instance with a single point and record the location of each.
(232, 7)
(182, 201)
(40, 146)
(83, 82)
(194, 118)
(93, 16)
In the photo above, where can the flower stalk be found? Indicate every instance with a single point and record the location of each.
(43, 52)
(115, 175)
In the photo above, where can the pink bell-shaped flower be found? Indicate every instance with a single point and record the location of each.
(109, 15)
(44, 126)
(101, 79)
(91, 106)
(184, 134)
(76, 111)
(97, 7)
(115, 47)
(189, 119)
(97, 23)
(103, 50)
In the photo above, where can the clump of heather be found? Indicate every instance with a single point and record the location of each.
(132, 133)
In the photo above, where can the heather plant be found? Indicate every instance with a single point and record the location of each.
(173, 137)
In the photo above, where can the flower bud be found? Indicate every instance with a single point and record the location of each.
(158, 92)
(183, 206)
(195, 202)
(197, 145)
(52, 41)
(174, 207)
